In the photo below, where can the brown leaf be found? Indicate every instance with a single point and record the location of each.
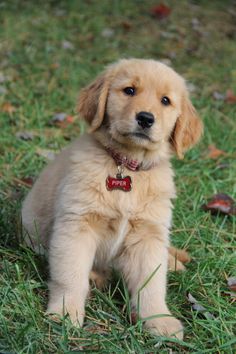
(230, 96)
(7, 107)
(232, 283)
(134, 317)
(27, 181)
(214, 153)
(126, 25)
(161, 11)
(220, 203)
(54, 66)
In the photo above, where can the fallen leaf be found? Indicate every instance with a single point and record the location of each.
(161, 11)
(134, 317)
(67, 45)
(126, 25)
(218, 96)
(214, 152)
(230, 293)
(62, 119)
(25, 135)
(25, 181)
(54, 66)
(232, 283)
(59, 117)
(220, 203)
(198, 307)
(107, 33)
(230, 97)
(222, 166)
(7, 107)
(47, 154)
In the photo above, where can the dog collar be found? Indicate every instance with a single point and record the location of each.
(132, 165)
(122, 160)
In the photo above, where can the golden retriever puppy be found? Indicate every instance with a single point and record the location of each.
(106, 199)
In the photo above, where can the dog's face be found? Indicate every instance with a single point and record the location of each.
(143, 103)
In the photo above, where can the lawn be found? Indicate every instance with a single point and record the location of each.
(48, 51)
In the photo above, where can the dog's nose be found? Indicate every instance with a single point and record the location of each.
(145, 119)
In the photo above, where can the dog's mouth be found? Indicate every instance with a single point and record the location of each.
(138, 135)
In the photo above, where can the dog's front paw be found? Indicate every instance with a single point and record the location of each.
(62, 307)
(165, 326)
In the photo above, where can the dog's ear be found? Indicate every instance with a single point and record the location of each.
(92, 101)
(188, 128)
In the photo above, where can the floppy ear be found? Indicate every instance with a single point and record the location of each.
(92, 101)
(188, 128)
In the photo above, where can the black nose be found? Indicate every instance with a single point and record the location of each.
(145, 119)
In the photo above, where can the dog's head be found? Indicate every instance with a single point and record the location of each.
(142, 103)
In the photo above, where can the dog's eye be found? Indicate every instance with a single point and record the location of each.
(165, 101)
(130, 91)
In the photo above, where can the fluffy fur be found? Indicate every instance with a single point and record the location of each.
(87, 228)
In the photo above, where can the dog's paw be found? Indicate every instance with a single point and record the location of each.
(179, 254)
(174, 265)
(165, 326)
(61, 308)
(99, 278)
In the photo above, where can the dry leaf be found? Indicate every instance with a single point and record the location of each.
(54, 66)
(25, 135)
(218, 96)
(107, 33)
(7, 107)
(28, 181)
(126, 25)
(230, 96)
(198, 307)
(67, 45)
(220, 203)
(134, 317)
(214, 153)
(232, 283)
(62, 119)
(161, 11)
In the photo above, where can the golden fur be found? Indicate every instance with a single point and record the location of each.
(87, 228)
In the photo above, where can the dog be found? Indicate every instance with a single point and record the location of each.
(105, 201)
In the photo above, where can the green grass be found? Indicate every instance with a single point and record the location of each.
(31, 39)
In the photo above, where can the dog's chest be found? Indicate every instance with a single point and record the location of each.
(118, 238)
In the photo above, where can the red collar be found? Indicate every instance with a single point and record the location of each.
(132, 165)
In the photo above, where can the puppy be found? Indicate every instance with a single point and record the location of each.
(106, 199)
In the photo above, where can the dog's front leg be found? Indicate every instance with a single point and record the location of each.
(71, 257)
(143, 263)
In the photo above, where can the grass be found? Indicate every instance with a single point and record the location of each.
(43, 77)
